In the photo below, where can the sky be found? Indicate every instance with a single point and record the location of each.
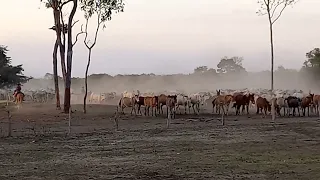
(164, 37)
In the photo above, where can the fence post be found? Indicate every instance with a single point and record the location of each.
(9, 124)
(69, 126)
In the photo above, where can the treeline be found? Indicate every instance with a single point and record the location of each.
(203, 78)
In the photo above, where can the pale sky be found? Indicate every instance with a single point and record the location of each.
(165, 36)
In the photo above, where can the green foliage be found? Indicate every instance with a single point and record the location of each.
(311, 66)
(103, 8)
(313, 58)
(231, 65)
(204, 70)
(9, 75)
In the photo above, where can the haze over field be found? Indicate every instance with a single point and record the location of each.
(167, 36)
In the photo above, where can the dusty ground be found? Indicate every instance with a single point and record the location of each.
(195, 147)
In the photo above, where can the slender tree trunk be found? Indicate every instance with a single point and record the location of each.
(86, 82)
(57, 23)
(67, 94)
(63, 60)
(273, 116)
(55, 74)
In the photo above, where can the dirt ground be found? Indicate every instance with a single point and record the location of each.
(194, 147)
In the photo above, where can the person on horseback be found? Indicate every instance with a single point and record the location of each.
(17, 91)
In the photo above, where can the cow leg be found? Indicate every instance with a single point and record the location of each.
(145, 110)
(228, 109)
(198, 108)
(298, 111)
(243, 107)
(238, 109)
(154, 113)
(308, 111)
(222, 106)
(264, 112)
(257, 110)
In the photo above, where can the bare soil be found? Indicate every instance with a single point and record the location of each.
(194, 147)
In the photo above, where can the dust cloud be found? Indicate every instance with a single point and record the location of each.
(191, 83)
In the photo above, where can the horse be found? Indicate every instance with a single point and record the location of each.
(19, 99)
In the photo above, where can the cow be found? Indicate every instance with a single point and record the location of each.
(128, 102)
(263, 104)
(184, 101)
(244, 101)
(196, 100)
(150, 102)
(305, 103)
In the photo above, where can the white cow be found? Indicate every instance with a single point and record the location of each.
(183, 100)
(130, 94)
(196, 100)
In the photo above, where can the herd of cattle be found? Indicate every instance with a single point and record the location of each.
(286, 102)
(48, 96)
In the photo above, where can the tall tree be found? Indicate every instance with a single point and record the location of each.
(62, 29)
(10, 75)
(103, 10)
(273, 9)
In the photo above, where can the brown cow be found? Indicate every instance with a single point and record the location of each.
(305, 103)
(316, 101)
(171, 102)
(221, 101)
(150, 102)
(262, 103)
(162, 100)
(244, 101)
(128, 102)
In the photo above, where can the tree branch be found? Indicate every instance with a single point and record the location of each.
(74, 23)
(275, 8)
(285, 5)
(64, 3)
(86, 32)
(96, 33)
(77, 36)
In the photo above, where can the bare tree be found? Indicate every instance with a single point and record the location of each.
(273, 9)
(103, 10)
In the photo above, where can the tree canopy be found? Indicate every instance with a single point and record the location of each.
(9, 75)
(313, 58)
(231, 65)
